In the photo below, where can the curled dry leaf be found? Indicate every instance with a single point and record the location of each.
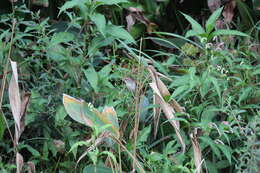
(18, 106)
(160, 93)
(137, 14)
(130, 84)
(228, 12)
(31, 167)
(214, 5)
(44, 3)
(19, 162)
(156, 115)
(60, 145)
(24, 105)
(15, 100)
(196, 150)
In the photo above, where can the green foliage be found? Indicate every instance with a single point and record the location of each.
(87, 53)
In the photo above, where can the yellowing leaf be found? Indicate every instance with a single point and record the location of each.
(74, 108)
(84, 113)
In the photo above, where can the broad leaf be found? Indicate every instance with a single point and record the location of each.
(195, 25)
(119, 33)
(84, 113)
(61, 37)
(93, 78)
(210, 24)
(100, 22)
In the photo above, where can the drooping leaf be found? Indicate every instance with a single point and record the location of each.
(15, 100)
(228, 12)
(31, 167)
(196, 151)
(214, 4)
(19, 163)
(160, 91)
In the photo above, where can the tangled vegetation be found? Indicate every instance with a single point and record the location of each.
(129, 86)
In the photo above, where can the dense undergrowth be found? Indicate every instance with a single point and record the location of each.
(153, 101)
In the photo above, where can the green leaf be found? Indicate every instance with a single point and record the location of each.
(211, 143)
(179, 91)
(191, 33)
(71, 4)
(100, 22)
(226, 150)
(97, 43)
(92, 77)
(119, 33)
(154, 156)
(256, 72)
(77, 144)
(144, 134)
(210, 24)
(195, 25)
(97, 169)
(60, 116)
(61, 37)
(2, 125)
(111, 2)
(216, 85)
(245, 93)
(227, 32)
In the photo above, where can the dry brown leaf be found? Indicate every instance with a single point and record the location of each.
(156, 115)
(31, 166)
(15, 100)
(161, 91)
(214, 4)
(228, 12)
(24, 105)
(59, 145)
(137, 14)
(19, 162)
(197, 151)
(130, 20)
